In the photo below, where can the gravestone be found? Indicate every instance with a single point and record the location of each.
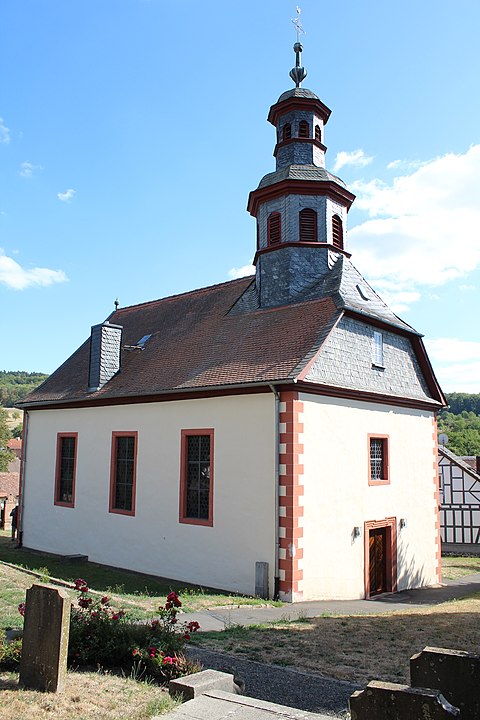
(389, 701)
(454, 672)
(43, 665)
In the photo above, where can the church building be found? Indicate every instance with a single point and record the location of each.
(271, 435)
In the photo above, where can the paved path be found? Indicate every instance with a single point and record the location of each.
(220, 618)
(307, 691)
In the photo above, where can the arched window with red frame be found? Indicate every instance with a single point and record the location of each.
(337, 232)
(274, 228)
(303, 129)
(308, 225)
(287, 131)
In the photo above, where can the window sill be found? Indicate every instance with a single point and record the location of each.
(375, 366)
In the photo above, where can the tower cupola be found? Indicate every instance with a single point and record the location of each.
(301, 208)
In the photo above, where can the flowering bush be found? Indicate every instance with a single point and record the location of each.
(101, 635)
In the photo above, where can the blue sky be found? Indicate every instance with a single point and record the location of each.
(133, 130)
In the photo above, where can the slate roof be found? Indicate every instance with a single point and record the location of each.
(300, 172)
(219, 337)
(196, 343)
(9, 484)
(297, 93)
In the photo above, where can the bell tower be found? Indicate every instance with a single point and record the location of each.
(301, 208)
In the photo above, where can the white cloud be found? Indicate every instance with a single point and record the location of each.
(67, 195)
(240, 272)
(466, 287)
(4, 132)
(404, 164)
(357, 158)
(456, 362)
(423, 228)
(14, 276)
(27, 169)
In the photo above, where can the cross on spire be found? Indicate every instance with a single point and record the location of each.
(298, 24)
(298, 73)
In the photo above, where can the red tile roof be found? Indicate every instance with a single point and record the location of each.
(9, 484)
(197, 343)
(14, 444)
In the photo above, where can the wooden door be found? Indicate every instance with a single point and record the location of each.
(378, 560)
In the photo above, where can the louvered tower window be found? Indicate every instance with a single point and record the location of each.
(318, 133)
(337, 232)
(308, 225)
(303, 129)
(287, 131)
(274, 228)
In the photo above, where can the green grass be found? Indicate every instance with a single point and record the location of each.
(142, 592)
(457, 567)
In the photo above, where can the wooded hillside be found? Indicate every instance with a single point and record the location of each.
(461, 423)
(16, 384)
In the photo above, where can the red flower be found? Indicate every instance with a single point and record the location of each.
(94, 614)
(21, 609)
(186, 636)
(121, 613)
(173, 599)
(104, 600)
(81, 585)
(168, 660)
(85, 602)
(115, 616)
(152, 651)
(193, 626)
(135, 651)
(154, 623)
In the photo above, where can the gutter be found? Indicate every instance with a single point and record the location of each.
(21, 490)
(277, 491)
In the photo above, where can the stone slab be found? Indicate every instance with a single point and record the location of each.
(389, 701)
(192, 686)
(219, 705)
(455, 673)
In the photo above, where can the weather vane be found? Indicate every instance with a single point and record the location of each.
(298, 73)
(298, 24)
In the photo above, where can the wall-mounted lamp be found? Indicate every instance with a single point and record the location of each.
(356, 532)
(403, 523)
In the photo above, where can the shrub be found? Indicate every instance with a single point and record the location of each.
(10, 653)
(101, 635)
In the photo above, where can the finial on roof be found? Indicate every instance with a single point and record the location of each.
(298, 73)
(116, 302)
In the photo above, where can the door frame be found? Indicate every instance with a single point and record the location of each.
(390, 524)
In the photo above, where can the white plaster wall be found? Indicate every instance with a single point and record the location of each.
(153, 541)
(337, 495)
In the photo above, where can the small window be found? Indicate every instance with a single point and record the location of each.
(66, 469)
(123, 472)
(287, 131)
(378, 470)
(274, 228)
(308, 225)
(303, 129)
(196, 481)
(377, 349)
(318, 133)
(337, 232)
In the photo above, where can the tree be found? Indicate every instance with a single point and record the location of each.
(6, 456)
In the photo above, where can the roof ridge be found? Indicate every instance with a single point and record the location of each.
(183, 294)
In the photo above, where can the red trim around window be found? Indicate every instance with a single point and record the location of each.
(385, 479)
(113, 471)
(56, 501)
(208, 522)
